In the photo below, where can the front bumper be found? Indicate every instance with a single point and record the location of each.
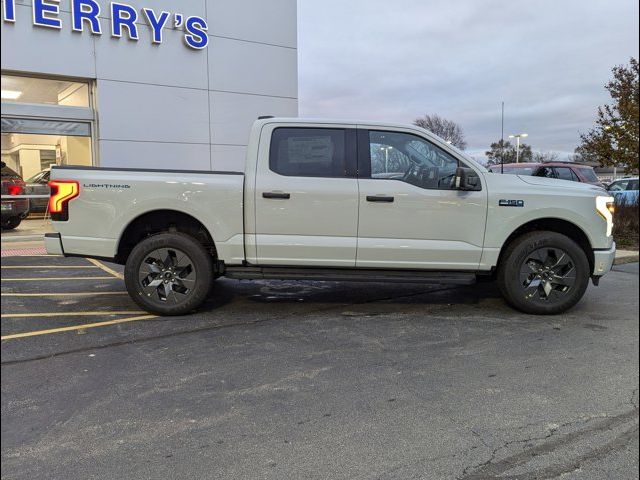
(603, 260)
(53, 244)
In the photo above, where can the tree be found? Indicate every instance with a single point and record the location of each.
(613, 141)
(582, 156)
(541, 157)
(448, 130)
(507, 152)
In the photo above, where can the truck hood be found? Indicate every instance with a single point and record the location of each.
(562, 184)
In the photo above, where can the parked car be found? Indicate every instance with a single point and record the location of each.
(38, 185)
(625, 191)
(13, 210)
(324, 200)
(571, 171)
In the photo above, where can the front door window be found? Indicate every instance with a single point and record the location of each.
(411, 159)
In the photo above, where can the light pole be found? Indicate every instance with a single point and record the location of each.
(518, 136)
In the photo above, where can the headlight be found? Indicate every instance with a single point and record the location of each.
(605, 206)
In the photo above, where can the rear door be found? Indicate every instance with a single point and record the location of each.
(306, 196)
(410, 214)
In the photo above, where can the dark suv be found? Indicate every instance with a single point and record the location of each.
(576, 172)
(13, 210)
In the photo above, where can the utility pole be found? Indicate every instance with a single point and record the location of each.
(502, 142)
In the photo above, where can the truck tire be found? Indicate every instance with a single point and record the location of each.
(11, 223)
(543, 273)
(169, 274)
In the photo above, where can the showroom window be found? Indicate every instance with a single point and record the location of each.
(46, 122)
(44, 91)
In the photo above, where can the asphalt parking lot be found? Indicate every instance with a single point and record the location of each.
(318, 380)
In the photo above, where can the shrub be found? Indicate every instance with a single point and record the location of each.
(625, 225)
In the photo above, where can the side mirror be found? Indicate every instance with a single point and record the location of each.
(467, 179)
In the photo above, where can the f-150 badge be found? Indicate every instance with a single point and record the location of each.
(511, 203)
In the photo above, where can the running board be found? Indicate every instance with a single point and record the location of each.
(350, 275)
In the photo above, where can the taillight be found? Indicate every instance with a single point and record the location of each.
(14, 189)
(61, 192)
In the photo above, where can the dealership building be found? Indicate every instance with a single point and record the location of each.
(142, 84)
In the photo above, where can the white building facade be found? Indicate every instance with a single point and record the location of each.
(143, 83)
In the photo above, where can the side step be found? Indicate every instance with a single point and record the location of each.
(350, 275)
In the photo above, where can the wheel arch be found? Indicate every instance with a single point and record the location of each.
(160, 221)
(552, 224)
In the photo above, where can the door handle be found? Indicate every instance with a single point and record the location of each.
(379, 198)
(276, 195)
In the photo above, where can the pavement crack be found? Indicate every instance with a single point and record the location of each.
(491, 469)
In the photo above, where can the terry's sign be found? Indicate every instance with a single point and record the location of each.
(85, 14)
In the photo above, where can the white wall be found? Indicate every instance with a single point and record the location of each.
(169, 106)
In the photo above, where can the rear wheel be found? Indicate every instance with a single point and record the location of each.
(543, 273)
(169, 274)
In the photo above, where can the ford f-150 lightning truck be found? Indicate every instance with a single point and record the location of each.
(336, 201)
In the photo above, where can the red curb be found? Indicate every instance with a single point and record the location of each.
(23, 252)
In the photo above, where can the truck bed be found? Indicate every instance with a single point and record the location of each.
(111, 198)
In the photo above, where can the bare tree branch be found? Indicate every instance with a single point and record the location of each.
(448, 130)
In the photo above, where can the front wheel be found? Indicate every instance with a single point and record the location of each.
(11, 223)
(543, 273)
(169, 274)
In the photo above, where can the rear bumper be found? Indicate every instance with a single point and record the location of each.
(15, 208)
(603, 260)
(53, 244)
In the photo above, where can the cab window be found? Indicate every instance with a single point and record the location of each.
(407, 158)
(308, 152)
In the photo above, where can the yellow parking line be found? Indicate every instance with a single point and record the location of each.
(75, 327)
(44, 267)
(71, 314)
(52, 279)
(66, 294)
(104, 268)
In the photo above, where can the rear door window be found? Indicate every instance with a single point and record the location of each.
(565, 173)
(308, 152)
(546, 172)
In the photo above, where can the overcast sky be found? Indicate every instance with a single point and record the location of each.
(397, 60)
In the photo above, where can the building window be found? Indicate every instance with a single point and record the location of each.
(45, 122)
(43, 91)
(31, 146)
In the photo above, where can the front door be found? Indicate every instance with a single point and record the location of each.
(410, 214)
(306, 198)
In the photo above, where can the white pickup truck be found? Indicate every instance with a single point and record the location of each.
(336, 201)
